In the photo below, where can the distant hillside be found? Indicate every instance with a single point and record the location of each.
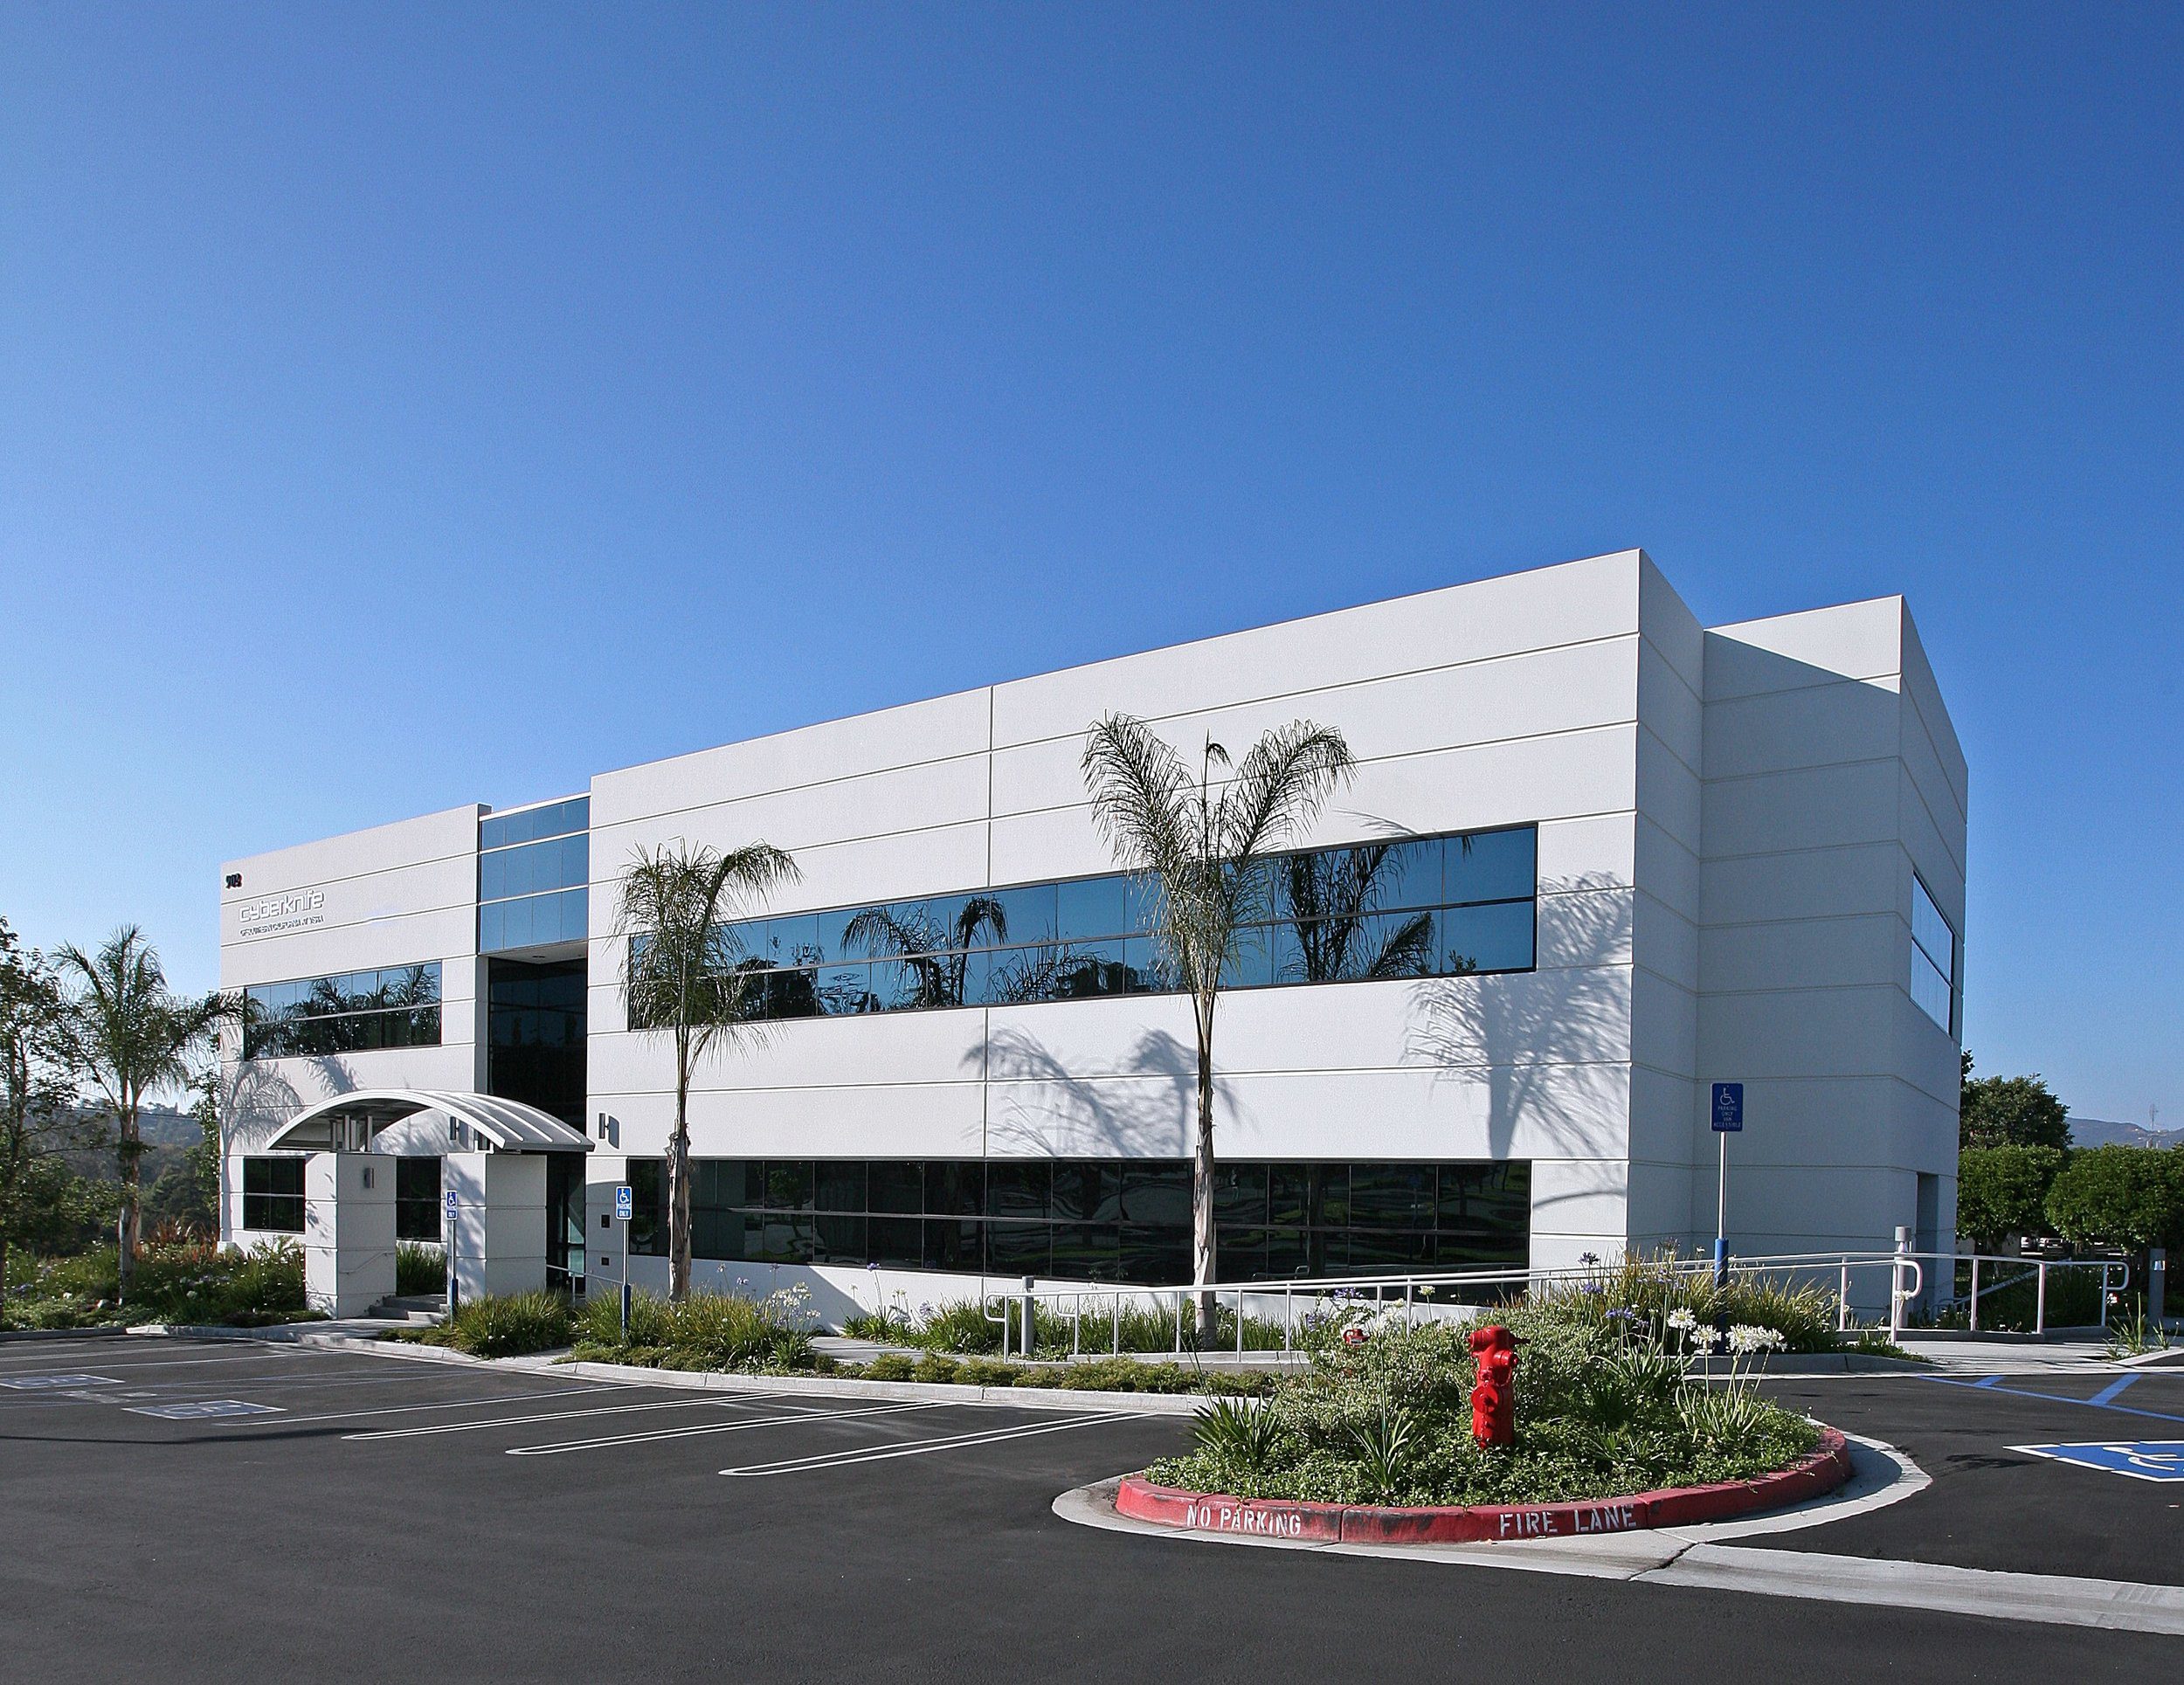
(160, 1126)
(2099, 1132)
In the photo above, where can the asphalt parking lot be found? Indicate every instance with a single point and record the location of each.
(234, 1511)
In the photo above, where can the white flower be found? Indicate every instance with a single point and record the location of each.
(1681, 1319)
(1702, 1339)
(1745, 1338)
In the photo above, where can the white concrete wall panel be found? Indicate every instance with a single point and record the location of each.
(1727, 824)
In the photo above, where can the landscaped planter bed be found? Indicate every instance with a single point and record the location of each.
(1821, 1470)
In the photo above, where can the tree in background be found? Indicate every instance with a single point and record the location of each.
(1206, 856)
(682, 976)
(42, 1203)
(2009, 1111)
(188, 1194)
(2128, 1197)
(132, 1036)
(2003, 1191)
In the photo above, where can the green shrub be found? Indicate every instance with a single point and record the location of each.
(2002, 1191)
(187, 1281)
(1602, 1410)
(888, 1366)
(418, 1269)
(934, 1367)
(510, 1324)
(887, 1327)
(2118, 1196)
(704, 1331)
(984, 1371)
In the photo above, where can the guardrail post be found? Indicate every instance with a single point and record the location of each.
(2157, 1285)
(1842, 1299)
(2040, 1299)
(1895, 1285)
(1976, 1293)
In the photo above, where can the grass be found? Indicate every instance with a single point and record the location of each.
(706, 1331)
(418, 1269)
(1602, 1410)
(1098, 1375)
(961, 1328)
(191, 1282)
(504, 1325)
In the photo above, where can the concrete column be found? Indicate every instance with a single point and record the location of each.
(499, 1245)
(348, 1230)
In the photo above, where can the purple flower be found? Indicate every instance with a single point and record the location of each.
(1593, 1288)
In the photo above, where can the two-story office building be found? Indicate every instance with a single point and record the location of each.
(1594, 857)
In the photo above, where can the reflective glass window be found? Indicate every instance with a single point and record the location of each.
(1491, 866)
(1019, 1188)
(1490, 938)
(1088, 909)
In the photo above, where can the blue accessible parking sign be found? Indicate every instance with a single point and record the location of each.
(1728, 1108)
(2143, 1460)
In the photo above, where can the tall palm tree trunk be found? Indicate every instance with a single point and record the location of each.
(1202, 1247)
(679, 1188)
(132, 1209)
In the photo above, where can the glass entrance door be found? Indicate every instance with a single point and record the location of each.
(564, 1222)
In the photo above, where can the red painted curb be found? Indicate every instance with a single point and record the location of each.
(1821, 1470)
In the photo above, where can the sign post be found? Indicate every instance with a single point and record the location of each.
(1728, 1110)
(453, 1210)
(624, 1209)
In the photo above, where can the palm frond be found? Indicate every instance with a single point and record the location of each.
(1280, 787)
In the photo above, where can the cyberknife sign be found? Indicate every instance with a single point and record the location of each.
(272, 915)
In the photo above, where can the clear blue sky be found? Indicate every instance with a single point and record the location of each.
(401, 406)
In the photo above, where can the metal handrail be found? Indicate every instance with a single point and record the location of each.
(1907, 1270)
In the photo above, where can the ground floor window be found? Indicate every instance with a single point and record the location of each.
(1113, 1220)
(272, 1195)
(417, 1200)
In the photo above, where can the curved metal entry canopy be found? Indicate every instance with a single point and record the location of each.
(508, 1125)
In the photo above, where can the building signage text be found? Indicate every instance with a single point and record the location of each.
(277, 913)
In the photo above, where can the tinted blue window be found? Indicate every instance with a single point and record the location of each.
(555, 819)
(1028, 914)
(1491, 866)
(1089, 908)
(1496, 938)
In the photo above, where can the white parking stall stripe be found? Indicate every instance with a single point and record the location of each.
(447, 1404)
(920, 1447)
(732, 1400)
(725, 1428)
(173, 1362)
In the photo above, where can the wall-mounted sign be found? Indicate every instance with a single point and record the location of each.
(275, 913)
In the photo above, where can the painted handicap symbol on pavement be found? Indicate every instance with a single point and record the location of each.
(197, 1409)
(52, 1383)
(2142, 1460)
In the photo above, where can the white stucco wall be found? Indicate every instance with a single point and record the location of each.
(1727, 824)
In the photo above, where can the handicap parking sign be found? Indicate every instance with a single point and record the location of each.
(2142, 1460)
(625, 1203)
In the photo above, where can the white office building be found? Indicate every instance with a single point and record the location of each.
(1595, 857)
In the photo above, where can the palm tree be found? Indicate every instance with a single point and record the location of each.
(683, 976)
(1205, 855)
(937, 951)
(1332, 894)
(134, 1036)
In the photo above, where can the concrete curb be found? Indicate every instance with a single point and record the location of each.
(98, 1331)
(817, 1386)
(1818, 1473)
(1793, 1365)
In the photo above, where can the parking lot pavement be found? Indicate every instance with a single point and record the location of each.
(1993, 1503)
(370, 1518)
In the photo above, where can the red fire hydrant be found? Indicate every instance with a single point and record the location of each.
(1494, 1400)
